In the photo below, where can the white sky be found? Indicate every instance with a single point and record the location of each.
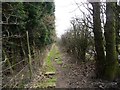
(64, 11)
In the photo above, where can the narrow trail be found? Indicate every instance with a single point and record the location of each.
(73, 75)
(61, 71)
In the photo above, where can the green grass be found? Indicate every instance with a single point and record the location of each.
(48, 82)
(53, 55)
(48, 61)
(49, 67)
(58, 59)
(51, 81)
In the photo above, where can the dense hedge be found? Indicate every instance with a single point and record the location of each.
(36, 18)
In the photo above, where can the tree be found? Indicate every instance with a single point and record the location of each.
(110, 38)
(77, 40)
(118, 29)
(98, 38)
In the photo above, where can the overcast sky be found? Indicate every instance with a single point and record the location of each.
(64, 11)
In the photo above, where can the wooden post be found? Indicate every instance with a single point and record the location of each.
(29, 55)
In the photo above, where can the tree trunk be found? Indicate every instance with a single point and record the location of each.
(99, 46)
(110, 37)
(117, 29)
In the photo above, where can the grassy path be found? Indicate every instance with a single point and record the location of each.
(47, 76)
(49, 69)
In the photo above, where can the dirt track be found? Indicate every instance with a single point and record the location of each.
(73, 75)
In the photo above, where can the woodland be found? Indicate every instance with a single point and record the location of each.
(86, 56)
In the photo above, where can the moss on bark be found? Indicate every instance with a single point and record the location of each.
(110, 37)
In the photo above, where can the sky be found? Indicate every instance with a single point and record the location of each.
(64, 11)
